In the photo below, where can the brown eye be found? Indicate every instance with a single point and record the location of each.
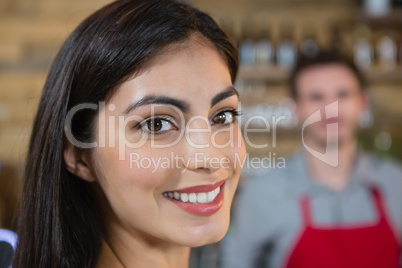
(154, 124)
(219, 119)
(226, 117)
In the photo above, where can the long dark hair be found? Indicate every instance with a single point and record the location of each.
(60, 223)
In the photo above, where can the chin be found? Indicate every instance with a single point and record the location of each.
(205, 240)
(209, 233)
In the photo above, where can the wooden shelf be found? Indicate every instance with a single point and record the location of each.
(377, 75)
(280, 75)
(394, 16)
(273, 74)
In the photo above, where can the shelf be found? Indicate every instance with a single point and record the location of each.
(273, 74)
(280, 75)
(392, 17)
(385, 76)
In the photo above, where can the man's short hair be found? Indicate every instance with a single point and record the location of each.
(323, 58)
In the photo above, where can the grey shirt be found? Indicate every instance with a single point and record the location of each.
(267, 218)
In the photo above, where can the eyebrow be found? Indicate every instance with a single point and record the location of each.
(229, 91)
(182, 105)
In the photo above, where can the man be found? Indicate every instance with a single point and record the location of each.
(333, 205)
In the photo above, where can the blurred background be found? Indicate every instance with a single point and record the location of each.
(270, 34)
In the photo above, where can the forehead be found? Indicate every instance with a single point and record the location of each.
(327, 77)
(192, 70)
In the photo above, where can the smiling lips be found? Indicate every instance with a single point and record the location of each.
(202, 200)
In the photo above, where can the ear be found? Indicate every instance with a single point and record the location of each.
(77, 162)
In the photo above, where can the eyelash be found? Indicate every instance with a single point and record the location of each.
(143, 123)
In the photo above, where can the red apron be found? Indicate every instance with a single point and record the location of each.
(371, 246)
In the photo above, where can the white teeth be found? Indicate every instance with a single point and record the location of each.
(211, 196)
(202, 198)
(196, 198)
(217, 190)
(184, 197)
(192, 197)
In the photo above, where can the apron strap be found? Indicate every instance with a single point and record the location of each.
(306, 210)
(305, 206)
(378, 202)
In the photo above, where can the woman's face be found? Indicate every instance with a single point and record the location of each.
(169, 149)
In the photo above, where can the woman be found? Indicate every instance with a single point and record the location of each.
(135, 151)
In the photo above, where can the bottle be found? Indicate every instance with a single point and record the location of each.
(265, 49)
(363, 51)
(309, 46)
(377, 8)
(287, 51)
(247, 48)
(386, 52)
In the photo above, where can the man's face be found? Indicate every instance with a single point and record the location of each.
(321, 85)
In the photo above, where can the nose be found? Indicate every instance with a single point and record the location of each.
(200, 152)
(331, 108)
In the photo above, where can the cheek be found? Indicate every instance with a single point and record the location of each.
(148, 168)
(350, 109)
(306, 109)
(134, 174)
(130, 163)
(126, 183)
(227, 137)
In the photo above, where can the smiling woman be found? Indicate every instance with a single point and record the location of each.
(151, 79)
